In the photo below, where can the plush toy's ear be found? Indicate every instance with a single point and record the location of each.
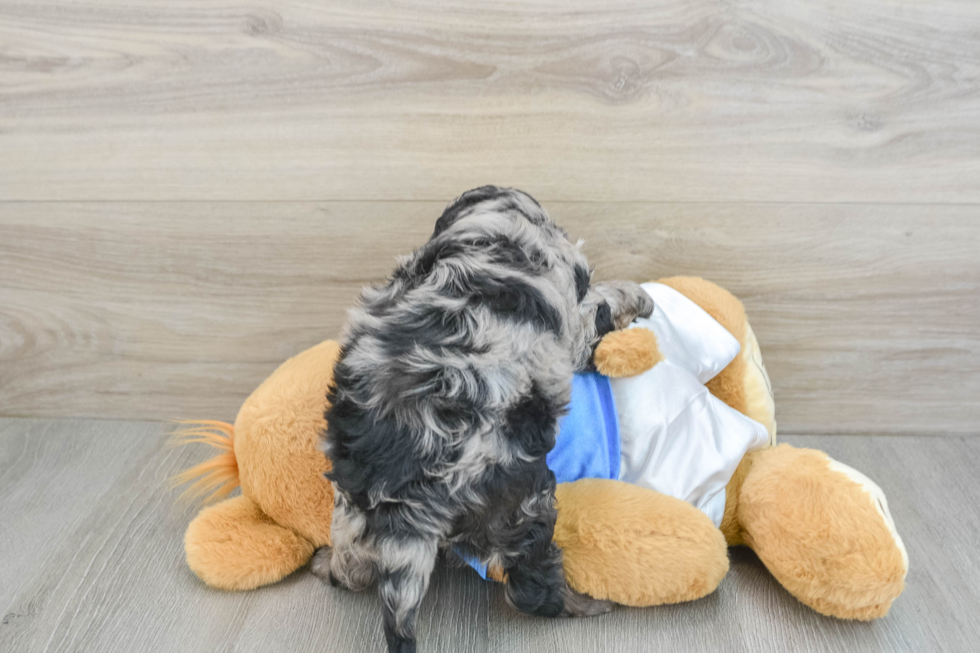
(627, 353)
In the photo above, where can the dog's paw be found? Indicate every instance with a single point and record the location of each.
(645, 306)
(626, 299)
(536, 594)
(320, 565)
(341, 573)
(583, 605)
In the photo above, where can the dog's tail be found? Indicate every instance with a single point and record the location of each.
(217, 477)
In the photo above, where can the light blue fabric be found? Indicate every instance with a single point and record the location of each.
(587, 445)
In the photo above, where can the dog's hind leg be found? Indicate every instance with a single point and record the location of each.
(533, 563)
(535, 580)
(351, 560)
(405, 564)
(536, 583)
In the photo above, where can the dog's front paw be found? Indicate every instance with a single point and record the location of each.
(626, 299)
(645, 306)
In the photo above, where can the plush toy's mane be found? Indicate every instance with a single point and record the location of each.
(216, 477)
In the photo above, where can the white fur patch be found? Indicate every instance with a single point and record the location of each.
(877, 497)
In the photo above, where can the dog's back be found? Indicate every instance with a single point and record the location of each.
(446, 398)
(478, 320)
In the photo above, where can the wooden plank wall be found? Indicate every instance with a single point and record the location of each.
(192, 191)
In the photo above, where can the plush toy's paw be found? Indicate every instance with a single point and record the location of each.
(824, 531)
(627, 353)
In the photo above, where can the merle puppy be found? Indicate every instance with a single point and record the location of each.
(446, 398)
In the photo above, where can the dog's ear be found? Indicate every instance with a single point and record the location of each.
(603, 324)
(583, 277)
(462, 204)
(532, 423)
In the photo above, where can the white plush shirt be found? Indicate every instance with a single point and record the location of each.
(677, 438)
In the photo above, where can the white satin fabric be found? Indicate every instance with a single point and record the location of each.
(678, 438)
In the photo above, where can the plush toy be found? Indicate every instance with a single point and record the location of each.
(650, 528)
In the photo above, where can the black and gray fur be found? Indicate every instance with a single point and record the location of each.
(446, 398)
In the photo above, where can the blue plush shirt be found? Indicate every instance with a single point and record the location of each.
(587, 445)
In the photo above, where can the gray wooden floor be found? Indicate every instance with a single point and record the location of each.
(91, 551)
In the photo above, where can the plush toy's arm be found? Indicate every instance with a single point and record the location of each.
(627, 353)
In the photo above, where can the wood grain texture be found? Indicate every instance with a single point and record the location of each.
(873, 101)
(93, 561)
(867, 315)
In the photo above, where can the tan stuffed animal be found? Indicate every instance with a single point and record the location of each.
(821, 528)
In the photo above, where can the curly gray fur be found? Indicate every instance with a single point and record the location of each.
(446, 399)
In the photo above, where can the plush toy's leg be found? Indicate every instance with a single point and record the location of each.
(636, 547)
(234, 546)
(823, 530)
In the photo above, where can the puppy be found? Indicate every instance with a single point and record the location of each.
(446, 398)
